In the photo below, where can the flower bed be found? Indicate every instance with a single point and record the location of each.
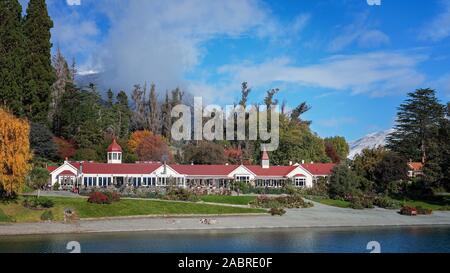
(98, 197)
(286, 201)
(37, 203)
(413, 211)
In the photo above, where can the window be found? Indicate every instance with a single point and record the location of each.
(119, 155)
(114, 156)
(109, 156)
(300, 182)
(85, 181)
(243, 178)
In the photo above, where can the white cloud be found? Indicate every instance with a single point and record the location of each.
(300, 22)
(439, 27)
(358, 33)
(377, 73)
(74, 34)
(442, 85)
(160, 41)
(336, 121)
(73, 2)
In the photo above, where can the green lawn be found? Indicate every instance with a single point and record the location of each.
(330, 202)
(4, 217)
(228, 199)
(439, 203)
(125, 207)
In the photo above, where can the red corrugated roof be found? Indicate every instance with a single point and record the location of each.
(124, 168)
(199, 170)
(67, 173)
(319, 168)
(415, 166)
(114, 147)
(51, 168)
(279, 171)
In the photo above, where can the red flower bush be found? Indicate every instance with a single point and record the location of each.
(406, 210)
(97, 197)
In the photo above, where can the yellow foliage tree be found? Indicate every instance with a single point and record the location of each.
(136, 138)
(15, 153)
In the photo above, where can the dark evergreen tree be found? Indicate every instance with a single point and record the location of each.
(39, 75)
(123, 114)
(417, 126)
(70, 117)
(389, 171)
(110, 96)
(245, 91)
(11, 56)
(154, 123)
(444, 148)
(166, 109)
(41, 141)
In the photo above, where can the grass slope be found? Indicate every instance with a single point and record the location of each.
(125, 207)
(228, 199)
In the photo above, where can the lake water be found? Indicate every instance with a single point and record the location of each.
(404, 239)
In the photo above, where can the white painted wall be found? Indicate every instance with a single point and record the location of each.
(301, 170)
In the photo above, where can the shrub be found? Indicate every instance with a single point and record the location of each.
(360, 201)
(97, 197)
(56, 186)
(287, 201)
(47, 215)
(319, 188)
(407, 210)
(356, 204)
(386, 202)
(423, 211)
(180, 194)
(344, 181)
(45, 202)
(277, 211)
(112, 196)
(38, 203)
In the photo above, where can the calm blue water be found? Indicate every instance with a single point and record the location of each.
(411, 239)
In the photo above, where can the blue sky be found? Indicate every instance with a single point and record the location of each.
(353, 63)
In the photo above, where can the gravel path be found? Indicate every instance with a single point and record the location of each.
(318, 216)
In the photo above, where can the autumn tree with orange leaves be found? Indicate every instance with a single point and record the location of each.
(154, 148)
(15, 153)
(136, 139)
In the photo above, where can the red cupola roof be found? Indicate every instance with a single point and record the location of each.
(265, 155)
(114, 147)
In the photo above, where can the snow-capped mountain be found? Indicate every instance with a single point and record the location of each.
(369, 141)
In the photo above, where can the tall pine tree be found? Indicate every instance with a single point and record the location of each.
(417, 125)
(11, 56)
(39, 75)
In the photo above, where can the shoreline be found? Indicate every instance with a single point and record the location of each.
(319, 216)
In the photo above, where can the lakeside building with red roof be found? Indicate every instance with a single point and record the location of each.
(85, 174)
